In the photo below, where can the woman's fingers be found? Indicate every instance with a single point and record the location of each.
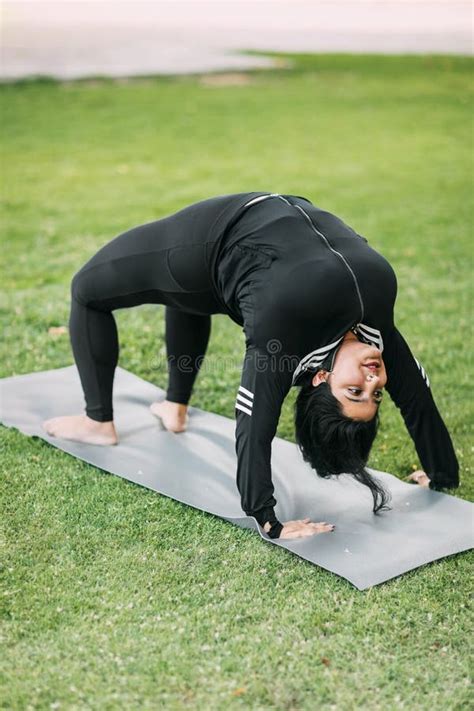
(304, 527)
(420, 477)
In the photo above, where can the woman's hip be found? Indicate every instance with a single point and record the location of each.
(168, 255)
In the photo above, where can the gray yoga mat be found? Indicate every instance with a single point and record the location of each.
(197, 467)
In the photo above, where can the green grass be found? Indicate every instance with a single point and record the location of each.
(115, 597)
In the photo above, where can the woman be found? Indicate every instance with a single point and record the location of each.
(316, 306)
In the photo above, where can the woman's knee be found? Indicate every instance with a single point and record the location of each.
(77, 287)
(84, 286)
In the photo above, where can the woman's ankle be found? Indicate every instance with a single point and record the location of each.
(100, 424)
(179, 407)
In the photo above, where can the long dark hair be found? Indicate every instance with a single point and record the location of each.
(333, 443)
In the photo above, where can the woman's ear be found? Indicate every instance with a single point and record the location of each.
(319, 378)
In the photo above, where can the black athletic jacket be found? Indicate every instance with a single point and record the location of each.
(297, 278)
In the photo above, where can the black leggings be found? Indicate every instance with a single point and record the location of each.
(162, 262)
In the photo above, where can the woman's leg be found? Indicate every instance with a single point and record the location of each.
(140, 266)
(187, 336)
(94, 341)
(162, 262)
(95, 347)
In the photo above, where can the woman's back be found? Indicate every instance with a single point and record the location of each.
(291, 271)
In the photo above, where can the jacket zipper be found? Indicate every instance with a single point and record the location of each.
(341, 256)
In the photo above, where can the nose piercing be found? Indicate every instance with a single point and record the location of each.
(369, 377)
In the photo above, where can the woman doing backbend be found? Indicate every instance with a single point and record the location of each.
(315, 302)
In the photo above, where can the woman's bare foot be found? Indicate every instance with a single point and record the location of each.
(81, 428)
(172, 414)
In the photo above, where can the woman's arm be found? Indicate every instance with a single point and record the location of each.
(409, 388)
(263, 387)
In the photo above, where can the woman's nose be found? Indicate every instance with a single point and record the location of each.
(372, 376)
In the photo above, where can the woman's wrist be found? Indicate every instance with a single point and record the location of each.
(273, 529)
(440, 480)
(268, 521)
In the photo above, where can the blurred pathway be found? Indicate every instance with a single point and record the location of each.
(75, 38)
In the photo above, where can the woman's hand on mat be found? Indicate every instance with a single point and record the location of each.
(304, 527)
(419, 477)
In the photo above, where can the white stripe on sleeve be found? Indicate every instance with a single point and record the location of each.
(245, 401)
(238, 406)
(246, 392)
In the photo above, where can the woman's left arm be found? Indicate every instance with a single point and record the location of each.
(409, 388)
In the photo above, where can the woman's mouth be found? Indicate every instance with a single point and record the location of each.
(372, 365)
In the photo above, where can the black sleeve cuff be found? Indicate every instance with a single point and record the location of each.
(438, 486)
(439, 480)
(267, 514)
(275, 530)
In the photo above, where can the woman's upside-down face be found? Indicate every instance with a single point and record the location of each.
(357, 378)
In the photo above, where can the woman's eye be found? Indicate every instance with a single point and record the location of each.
(355, 391)
(378, 395)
